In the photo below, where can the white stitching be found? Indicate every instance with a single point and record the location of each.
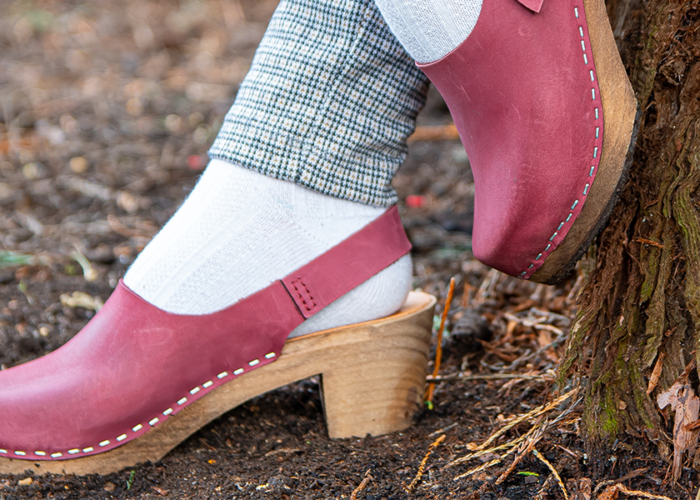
(595, 149)
(167, 412)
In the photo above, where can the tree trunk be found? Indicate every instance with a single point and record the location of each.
(641, 307)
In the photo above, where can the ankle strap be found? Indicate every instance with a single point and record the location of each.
(348, 264)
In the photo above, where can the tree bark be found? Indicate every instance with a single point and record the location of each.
(641, 307)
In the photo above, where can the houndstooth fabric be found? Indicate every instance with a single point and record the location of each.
(328, 103)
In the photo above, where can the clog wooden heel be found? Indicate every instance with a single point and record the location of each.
(373, 377)
(137, 380)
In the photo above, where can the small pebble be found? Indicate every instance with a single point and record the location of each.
(25, 482)
(31, 171)
(109, 487)
(78, 164)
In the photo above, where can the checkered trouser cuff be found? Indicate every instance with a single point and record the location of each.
(328, 103)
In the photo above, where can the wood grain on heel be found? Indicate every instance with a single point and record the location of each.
(373, 376)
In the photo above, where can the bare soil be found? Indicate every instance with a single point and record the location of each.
(108, 109)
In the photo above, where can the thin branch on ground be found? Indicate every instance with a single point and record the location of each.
(611, 493)
(368, 477)
(498, 376)
(554, 472)
(438, 352)
(525, 448)
(421, 468)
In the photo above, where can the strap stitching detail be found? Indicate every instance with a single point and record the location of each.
(301, 297)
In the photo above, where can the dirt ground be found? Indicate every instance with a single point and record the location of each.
(107, 111)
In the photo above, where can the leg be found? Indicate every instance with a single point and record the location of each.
(250, 259)
(324, 114)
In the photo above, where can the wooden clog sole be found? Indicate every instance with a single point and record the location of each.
(372, 382)
(621, 120)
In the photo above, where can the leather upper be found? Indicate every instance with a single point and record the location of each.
(133, 365)
(523, 92)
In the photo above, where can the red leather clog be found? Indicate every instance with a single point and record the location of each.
(137, 380)
(546, 113)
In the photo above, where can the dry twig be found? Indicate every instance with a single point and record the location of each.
(368, 477)
(526, 447)
(611, 493)
(554, 472)
(540, 410)
(493, 462)
(438, 352)
(498, 376)
(542, 494)
(435, 133)
(421, 468)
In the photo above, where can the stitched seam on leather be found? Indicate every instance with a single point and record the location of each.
(595, 153)
(152, 422)
(301, 297)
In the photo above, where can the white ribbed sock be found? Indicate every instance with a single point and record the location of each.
(430, 29)
(239, 231)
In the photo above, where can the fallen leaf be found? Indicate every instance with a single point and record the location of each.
(656, 373)
(686, 404)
